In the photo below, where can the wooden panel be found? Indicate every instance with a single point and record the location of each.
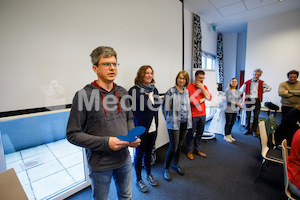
(10, 186)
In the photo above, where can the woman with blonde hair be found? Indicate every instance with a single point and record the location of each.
(145, 102)
(233, 98)
(177, 112)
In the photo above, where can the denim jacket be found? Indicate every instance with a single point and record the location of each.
(170, 108)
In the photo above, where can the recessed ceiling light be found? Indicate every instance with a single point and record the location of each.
(281, 0)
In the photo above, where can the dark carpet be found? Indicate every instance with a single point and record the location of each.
(228, 173)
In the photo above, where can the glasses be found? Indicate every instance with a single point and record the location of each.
(200, 78)
(107, 65)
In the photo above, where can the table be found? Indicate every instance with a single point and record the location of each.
(217, 124)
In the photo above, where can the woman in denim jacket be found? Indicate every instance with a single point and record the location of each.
(177, 112)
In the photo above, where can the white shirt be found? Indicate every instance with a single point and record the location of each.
(254, 88)
(153, 125)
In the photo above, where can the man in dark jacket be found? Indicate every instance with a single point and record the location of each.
(288, 127)
(96, 119)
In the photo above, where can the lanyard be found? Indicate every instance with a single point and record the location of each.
(102, 97)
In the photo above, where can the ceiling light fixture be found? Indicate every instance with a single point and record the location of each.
(281, 0)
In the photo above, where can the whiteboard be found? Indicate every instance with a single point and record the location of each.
(211, 84)
(45, 46)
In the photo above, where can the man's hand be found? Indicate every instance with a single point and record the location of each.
(202, 100)
(135, 143)
(115, 144)
(238, 104)
(199, 85)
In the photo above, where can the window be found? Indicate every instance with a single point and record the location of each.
(209, 61)
(36, 147)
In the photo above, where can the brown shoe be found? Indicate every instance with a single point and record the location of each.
(200, 153)
(190, 156)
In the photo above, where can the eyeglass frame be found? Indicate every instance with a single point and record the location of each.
(200, 78)
(108, 64)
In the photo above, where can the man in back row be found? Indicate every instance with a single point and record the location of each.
(289, 92)
(254, 89)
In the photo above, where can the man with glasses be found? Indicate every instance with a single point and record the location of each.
(254, 89)
(96, 119)
(198, 93)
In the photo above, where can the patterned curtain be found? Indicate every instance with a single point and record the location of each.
(220, 57)
(197, 51)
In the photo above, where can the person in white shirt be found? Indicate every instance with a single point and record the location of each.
(254, 89)
(145, 102)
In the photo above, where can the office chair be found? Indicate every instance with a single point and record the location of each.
(271, 155)
(287, 192)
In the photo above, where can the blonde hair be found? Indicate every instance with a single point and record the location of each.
(186, 76)
(141, 74)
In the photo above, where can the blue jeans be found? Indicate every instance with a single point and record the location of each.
(294, 189)
(198, 125)
(123, 180)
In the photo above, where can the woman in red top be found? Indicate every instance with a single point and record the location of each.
(293, 164)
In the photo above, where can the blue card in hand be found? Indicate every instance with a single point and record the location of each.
(133, 134)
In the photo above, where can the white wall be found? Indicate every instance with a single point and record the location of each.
(209, 40)
(241, 54)
(188, 41)
(229, 57)
(234, 47)
(273, 45)
(42, 41)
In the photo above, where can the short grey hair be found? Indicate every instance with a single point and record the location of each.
(103, 51)
(258, 70)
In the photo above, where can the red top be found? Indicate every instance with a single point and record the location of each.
(260, 88)
(293, 163)
(197, 108)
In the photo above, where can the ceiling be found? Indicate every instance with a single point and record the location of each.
(231, 16)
